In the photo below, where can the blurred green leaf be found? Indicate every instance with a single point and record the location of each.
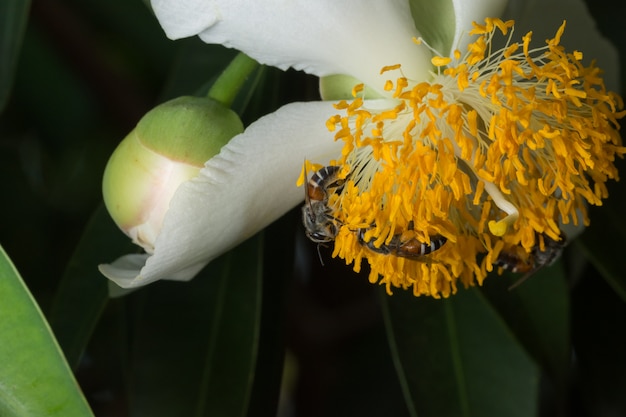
(599, 346)
(537, 312)
(35, 380)
(195, 343)
(605, 254)
(13, 18)
(196, 60)
(608, 227)
(195, 63)
(455, 357)
(278, 255)
(83, 292)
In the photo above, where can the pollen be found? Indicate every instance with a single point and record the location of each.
(488, 158)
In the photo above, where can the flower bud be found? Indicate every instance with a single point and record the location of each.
(169, 146)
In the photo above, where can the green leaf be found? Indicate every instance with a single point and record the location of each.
(195, 68)
(35, 380)
(195, 343)
(83, 292)
(455, 357)
(608, 227)
(599, 343)
(13, 18)
(537, 312)
(603, 252)
(436, 23)
(278, 255)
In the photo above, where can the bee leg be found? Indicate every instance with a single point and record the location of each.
(523, 279)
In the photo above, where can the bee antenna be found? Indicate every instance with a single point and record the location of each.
(319, 254)
(307, 200)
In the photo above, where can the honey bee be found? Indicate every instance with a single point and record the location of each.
(319, 223)
(512, 262)
(537, 259)
(410, 248)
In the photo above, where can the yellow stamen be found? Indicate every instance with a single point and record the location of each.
(493, 154)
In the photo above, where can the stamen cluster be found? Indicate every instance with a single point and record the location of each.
(492, 156)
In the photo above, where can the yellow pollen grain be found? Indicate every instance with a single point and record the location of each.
(559, 33)
(357, 89)
(389, 68)
(498, 228)
(512, 49)
(575, 93)
(332, 122)
(439, 61)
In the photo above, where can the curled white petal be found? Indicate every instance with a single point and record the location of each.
(321, 37)
(185, 18)
(543, 18)
(166, 177)
(247, 186)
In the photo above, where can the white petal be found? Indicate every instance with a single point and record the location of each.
(247, 186)
(543, 18)
(467, 12)
(321, 37)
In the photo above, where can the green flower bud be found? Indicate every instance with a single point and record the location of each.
(169, 146)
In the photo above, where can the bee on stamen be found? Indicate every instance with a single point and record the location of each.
(319, 223)
(513, 262)
(408, 248)
(537, 260)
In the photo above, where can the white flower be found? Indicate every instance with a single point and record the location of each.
(252, 181)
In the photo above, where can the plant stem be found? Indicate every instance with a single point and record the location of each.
(230, 81)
